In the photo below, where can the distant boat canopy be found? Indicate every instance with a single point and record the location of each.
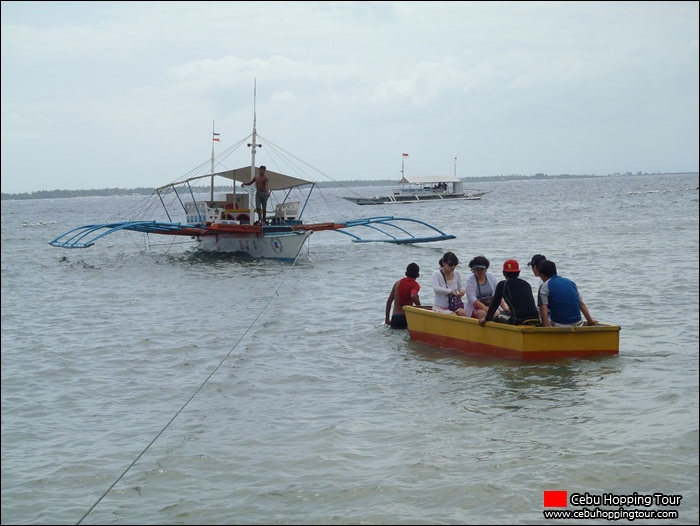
(429, 179)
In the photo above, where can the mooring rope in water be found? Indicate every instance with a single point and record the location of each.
(245, 333)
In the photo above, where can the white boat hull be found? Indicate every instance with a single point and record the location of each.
(284, 246)
(415, 198)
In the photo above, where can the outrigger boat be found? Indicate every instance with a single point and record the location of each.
(227, 224)
(418, 189)
(518, 342)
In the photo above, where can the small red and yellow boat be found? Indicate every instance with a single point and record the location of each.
(518, 342)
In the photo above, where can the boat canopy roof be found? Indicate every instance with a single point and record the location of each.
(278, 181)
(422, 179)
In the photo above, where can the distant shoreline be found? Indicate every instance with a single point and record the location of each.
(107, 192)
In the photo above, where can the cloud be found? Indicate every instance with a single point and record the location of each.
(507, 87)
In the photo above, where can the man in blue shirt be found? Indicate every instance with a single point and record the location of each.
(559, 300)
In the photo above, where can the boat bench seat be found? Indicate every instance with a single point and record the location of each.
(289, 210)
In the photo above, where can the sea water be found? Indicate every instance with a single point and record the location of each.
(144, 383)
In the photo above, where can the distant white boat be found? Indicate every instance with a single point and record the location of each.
(418, 189)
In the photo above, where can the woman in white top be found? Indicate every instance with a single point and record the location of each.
(446, 280)
(480, 287)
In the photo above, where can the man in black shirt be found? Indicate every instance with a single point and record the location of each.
(517, 294)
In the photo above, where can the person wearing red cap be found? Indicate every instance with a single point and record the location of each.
(517, 294)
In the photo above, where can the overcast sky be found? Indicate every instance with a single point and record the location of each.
(124, 94)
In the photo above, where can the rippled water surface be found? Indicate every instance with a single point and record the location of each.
(162, 386)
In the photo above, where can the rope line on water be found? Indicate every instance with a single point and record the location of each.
(245, 333)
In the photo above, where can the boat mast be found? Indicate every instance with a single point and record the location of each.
(253, 146)
(213, 129)
(455, 171)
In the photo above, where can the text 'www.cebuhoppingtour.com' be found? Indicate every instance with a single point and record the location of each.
(627, 507)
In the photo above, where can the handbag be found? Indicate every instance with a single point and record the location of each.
(455, 302)
(486, 300)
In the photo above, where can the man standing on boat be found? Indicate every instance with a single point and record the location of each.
(262, 185)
